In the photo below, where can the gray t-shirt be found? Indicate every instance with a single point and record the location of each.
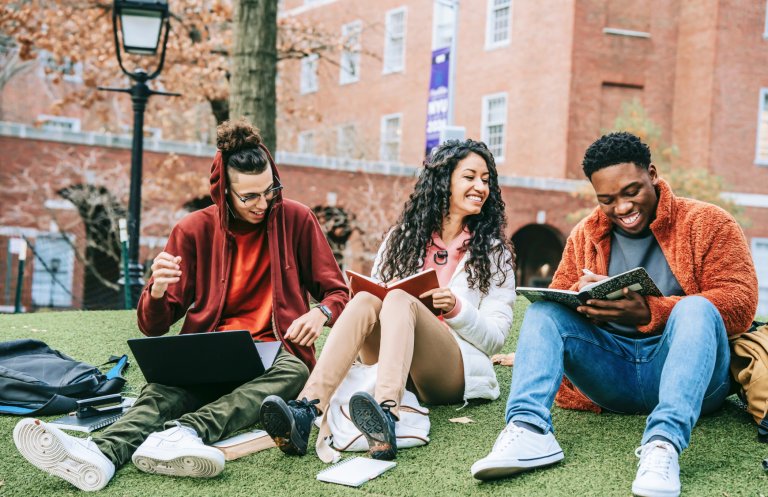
(631, 251)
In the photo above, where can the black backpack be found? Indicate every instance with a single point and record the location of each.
(37, 380)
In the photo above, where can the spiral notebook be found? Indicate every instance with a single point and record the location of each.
(92, 423)
(355, 471)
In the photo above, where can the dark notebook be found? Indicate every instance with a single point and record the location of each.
(636, 279)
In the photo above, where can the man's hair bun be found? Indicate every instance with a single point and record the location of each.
(234, 136)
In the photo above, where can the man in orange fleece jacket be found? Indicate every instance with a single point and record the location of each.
(666, 356)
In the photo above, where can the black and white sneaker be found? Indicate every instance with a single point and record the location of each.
(289, 424)
(377, 423)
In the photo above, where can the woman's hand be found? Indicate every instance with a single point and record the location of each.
(442, 298)
(165, 271)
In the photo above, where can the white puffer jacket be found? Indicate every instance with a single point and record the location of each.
(480, 327)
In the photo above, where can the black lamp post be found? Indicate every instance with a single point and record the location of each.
(141, 24)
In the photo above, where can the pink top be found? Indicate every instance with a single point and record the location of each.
(444, 260)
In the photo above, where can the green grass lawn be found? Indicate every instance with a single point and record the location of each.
(723, 461)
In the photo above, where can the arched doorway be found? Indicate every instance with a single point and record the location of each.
(539, 248)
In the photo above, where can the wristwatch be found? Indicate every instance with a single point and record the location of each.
(327, 312)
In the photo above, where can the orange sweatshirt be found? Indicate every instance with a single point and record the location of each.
(705, 249)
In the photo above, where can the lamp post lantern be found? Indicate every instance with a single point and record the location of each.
(141, 24)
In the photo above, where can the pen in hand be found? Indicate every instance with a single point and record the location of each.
(586, 271)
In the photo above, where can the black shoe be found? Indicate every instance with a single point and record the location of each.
(289, 424)
(377, 423)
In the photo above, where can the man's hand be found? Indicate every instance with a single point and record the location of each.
(589, 278)
(165, 271)
(632, 310)
(306, 328)
(442, 298)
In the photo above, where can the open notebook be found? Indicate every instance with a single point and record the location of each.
(355, 471)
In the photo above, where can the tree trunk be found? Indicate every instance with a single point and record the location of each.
(254, 66)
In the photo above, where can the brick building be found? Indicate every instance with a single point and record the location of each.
(538, 81)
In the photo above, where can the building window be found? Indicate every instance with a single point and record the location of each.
(442, 29)
(346, 139)
(760, 256)
(762, 129)
(499, 22)
(65, 68)
(59, 123)
(495, 123)
(308, 83)
(306, 142)
(390, 137)
(394, 44)
(350, 55)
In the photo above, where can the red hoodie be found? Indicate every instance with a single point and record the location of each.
(301, 263)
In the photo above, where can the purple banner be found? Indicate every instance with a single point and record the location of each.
(437, 104)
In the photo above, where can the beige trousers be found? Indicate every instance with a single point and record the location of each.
(404, 337)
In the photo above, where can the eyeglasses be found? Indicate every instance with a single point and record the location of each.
(255, 197)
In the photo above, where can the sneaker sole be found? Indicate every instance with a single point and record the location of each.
(195, 464)
(491, 470)
(47, 450)
(371, 420)
(278, 422)
(644, 492)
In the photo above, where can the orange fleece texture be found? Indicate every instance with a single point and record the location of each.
(705, 249)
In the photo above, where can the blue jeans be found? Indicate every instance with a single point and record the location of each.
(675, 376)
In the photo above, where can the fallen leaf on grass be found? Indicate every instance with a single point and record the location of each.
(504, 359)
(463, 420)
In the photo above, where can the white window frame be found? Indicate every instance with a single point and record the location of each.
(390, 35)
(438, 7)
(343, 140)
(349, 57)
(383, 138)
(498, 157)
(762, 107)
(59, 123)
(306, 137)
(765, 30)
(489, 26)
(308, 81)
(761, 269)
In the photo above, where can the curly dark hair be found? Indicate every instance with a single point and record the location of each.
(616, 148)
(241, 147)
(428, 205)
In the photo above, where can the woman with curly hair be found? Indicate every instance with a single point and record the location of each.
(453, 222)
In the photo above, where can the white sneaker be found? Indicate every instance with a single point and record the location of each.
(659, 471)
(517, 450)
(178, 451)
(76, 460)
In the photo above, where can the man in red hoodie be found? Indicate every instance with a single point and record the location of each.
(250, 261)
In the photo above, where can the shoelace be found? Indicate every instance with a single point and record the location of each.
(303, 402)
(656, 459)
(387, 406)
(509, 434)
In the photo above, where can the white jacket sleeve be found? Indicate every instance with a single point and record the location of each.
(485, 326)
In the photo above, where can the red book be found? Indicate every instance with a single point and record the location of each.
(414, 285)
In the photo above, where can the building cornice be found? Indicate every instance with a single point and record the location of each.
(292, 159)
